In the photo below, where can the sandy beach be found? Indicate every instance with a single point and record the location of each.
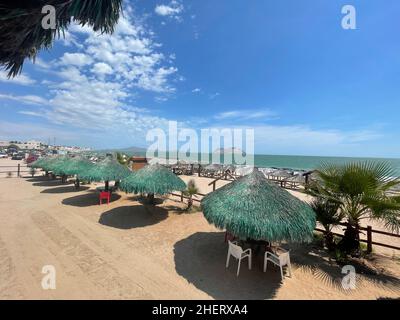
(128, 250)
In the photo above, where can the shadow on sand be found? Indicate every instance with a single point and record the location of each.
(51, 183)
(88, 199)
(37, 178)
(65, 189)
(315, 261)
(129, 217)
(143, 200)
(201, 258)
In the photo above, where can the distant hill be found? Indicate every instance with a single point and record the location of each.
(131, 151)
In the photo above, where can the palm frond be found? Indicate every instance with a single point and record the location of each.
(22, 35)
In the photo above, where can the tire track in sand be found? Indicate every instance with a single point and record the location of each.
(94, 267)
(9, 287)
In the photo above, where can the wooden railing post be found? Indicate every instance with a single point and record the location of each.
(369, 239)
(19, 170)
(214, 186)
(182, 196)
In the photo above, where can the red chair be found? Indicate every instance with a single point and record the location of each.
(104, 195)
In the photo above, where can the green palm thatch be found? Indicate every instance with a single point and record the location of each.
(49, 163)
(76, 165)
(251, 207)
(58, 164)
(153, 179)
(105, 170)
(22, 35)
(39, 163)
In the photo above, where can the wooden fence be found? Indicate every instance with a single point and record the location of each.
(369, 231)
(18, 169)
(369, 240)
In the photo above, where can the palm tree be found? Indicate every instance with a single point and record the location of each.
(360, 190)
(328, 215)
(22, 35)
(191, 192)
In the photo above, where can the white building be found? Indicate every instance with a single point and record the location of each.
(30, 145)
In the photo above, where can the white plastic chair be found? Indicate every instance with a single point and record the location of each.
(281, 260)
(238, 253)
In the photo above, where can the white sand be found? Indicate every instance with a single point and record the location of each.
(126, 250)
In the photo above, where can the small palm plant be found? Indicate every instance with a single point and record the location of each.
(328, 215)
(191, 192)
(361, 191)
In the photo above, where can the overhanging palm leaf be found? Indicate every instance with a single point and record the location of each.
(22, 35)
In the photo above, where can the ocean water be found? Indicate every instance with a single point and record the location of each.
(302, 162)
(313, 162)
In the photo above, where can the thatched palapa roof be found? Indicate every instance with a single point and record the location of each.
(106, 170)
(72, 166)
(39, 163)
(251, 207)
(152, 179)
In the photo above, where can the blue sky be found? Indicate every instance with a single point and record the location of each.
(285, 68)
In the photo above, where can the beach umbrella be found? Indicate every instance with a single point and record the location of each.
(280, 173)
(106, 170)
(152, 179)
(38, 163)
(48, 163)
(55, 165)
(73, 166)
(58, 164)
(77, 165)
(251, 207)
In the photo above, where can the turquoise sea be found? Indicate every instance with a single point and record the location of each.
(313, 162)
(301, 162)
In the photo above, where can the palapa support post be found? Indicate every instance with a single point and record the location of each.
(106, 186)
(19, 170)
(369, 239)
(182, 196)
(77, 183)
(150, 198)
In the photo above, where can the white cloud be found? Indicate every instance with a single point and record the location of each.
(173, 9)
(246, 114)
(28, 130)
(214, 95)
(102, 68)
(25, 99)
(196, 90)
(31, 113)
(76, 59)
(304, 140)
(81, 98)
(21, 79)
